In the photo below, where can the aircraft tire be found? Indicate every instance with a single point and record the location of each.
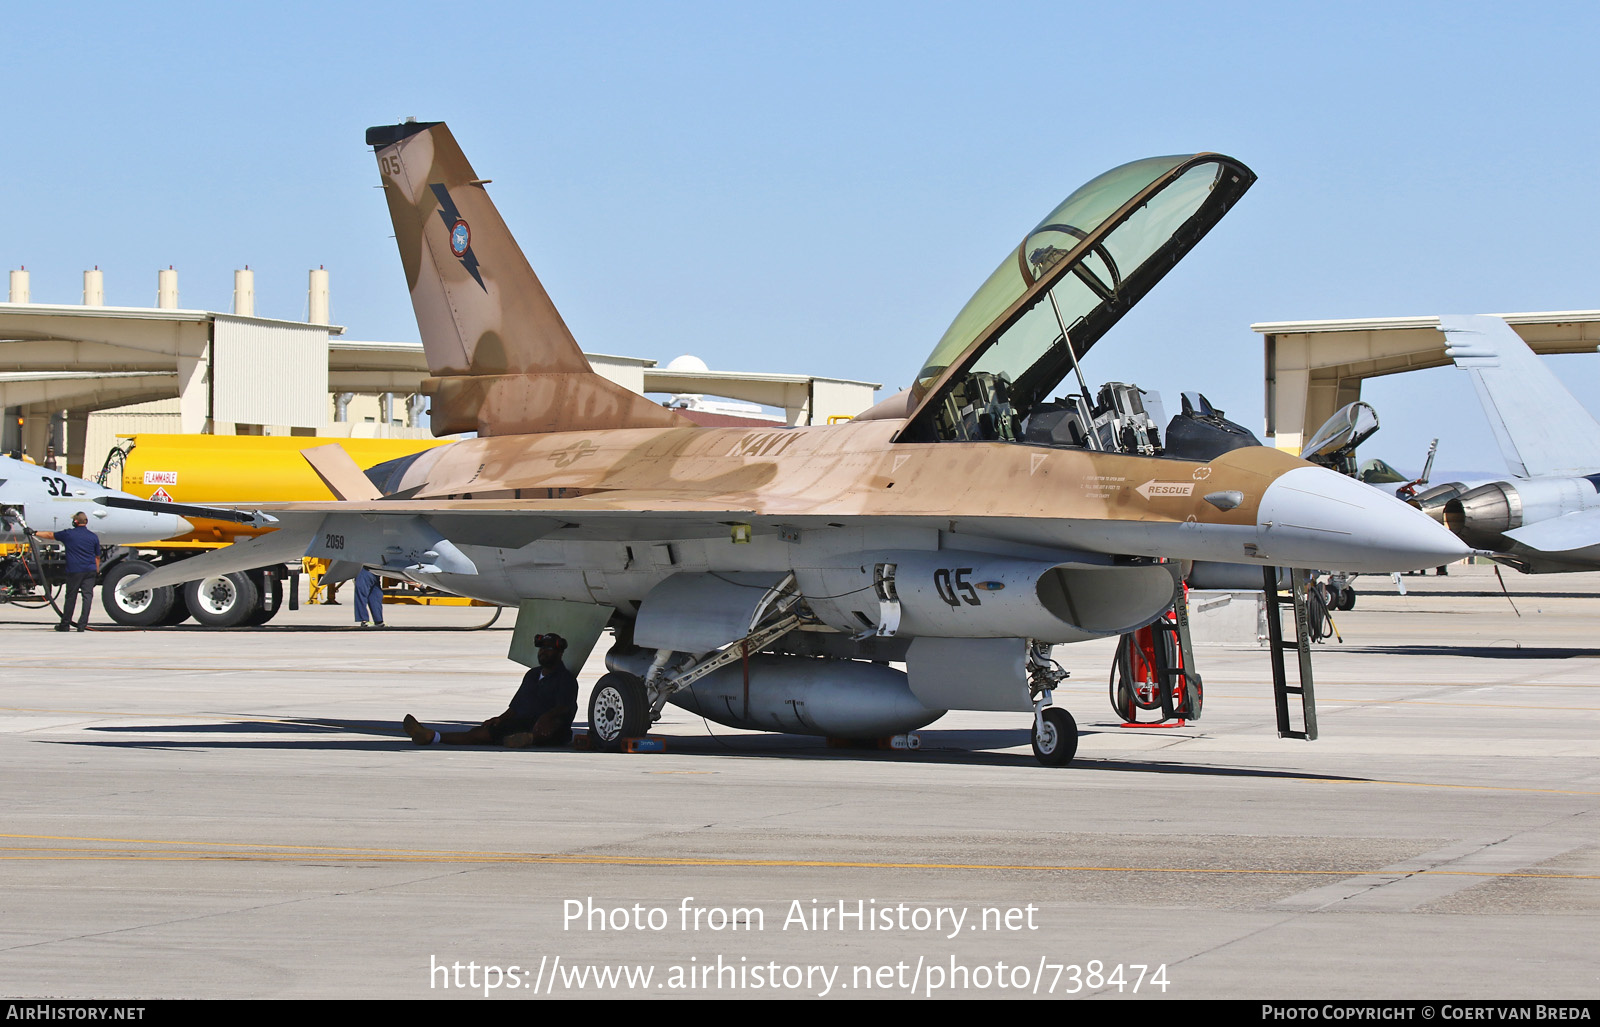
(269, 597)
(135, 609)
(1347, 601)
(222, 600)
(1058, 742)
(618, 710)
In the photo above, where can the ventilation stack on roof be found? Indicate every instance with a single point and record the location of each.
(167, 290)
(244, 292)
(317, 307)
(19, 286)
(94, 288)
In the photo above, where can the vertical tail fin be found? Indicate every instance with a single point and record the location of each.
(502, 359)
(1541, 428)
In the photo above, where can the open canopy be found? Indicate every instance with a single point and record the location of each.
(1073, 277)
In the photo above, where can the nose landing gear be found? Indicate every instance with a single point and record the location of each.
(1055, 736)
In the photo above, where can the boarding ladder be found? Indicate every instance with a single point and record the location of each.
(1299, 590)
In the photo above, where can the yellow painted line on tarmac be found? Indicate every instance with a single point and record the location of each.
(247, 852)
(1088, 762)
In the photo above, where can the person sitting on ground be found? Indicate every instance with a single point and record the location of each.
(540, 713)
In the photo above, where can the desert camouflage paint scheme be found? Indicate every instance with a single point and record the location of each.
(502, 359)
(940, 539)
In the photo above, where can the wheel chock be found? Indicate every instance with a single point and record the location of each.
(582, 742)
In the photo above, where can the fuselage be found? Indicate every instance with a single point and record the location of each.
(47, 500)
(817, 494)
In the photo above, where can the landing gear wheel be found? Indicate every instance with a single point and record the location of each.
(1347, 600)
(141, 609)
(223, 600)
(618, 709)
(1057, 743)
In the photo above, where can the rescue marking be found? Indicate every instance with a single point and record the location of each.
(1202, 473)
(1154, 488)
(898, 460)
(1034, 461)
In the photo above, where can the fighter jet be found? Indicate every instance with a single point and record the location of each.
(768, 578)
(45, 500)
(1546, 517)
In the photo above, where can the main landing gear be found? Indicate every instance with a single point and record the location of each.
(619, 709)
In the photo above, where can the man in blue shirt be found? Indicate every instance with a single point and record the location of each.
(83, 566)
(540, 713)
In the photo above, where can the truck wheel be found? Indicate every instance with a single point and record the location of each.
(269, 588)
(140, 609)
(178, 614)
(222, 600)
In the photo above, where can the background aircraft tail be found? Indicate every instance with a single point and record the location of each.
(1542, 430)
(502, 360)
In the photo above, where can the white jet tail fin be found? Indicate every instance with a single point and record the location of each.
(1542, 430)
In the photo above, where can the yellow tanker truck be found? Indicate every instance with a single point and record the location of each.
(211, 470)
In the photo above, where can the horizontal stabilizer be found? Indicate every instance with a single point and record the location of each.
(1542, 430)
(340, 473)
(1563, 534)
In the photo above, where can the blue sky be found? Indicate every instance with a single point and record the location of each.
(818, 187)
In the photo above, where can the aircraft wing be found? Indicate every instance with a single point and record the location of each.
(1542, 430)
(426, 535)
(286, 544)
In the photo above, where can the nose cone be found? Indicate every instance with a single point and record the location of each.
(1316, 518)
(175, 525)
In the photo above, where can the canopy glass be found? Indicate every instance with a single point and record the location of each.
(1073, 276)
